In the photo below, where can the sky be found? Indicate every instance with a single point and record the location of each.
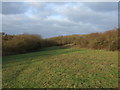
(59, 18)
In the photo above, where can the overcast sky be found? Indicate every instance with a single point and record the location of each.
(55, 19)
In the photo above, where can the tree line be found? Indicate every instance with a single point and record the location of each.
(15, 44)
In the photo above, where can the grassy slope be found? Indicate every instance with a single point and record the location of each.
(59, 67)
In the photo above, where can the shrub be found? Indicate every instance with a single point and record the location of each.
(14, 44)
(20, 44)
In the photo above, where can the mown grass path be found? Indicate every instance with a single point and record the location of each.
(58, 67)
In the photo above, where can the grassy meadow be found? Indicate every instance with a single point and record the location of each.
(58, 67)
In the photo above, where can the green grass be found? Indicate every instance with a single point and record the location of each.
(57, 67)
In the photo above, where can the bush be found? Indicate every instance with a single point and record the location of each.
(14, 44)
(20, 43)
(107, 40)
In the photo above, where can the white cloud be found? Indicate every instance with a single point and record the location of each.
(52, 19)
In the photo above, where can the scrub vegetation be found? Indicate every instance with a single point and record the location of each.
(15, 44)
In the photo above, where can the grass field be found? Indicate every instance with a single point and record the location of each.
(57, 67)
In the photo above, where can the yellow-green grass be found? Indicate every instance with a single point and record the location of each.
(57, 67)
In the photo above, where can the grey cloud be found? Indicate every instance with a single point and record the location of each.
(14, 7)
(0, 7)
(41, 18)
(45, 27)
(103, 6)
(36, 8)
(83, 14)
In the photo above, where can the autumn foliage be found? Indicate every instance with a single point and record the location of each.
(15, 44)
